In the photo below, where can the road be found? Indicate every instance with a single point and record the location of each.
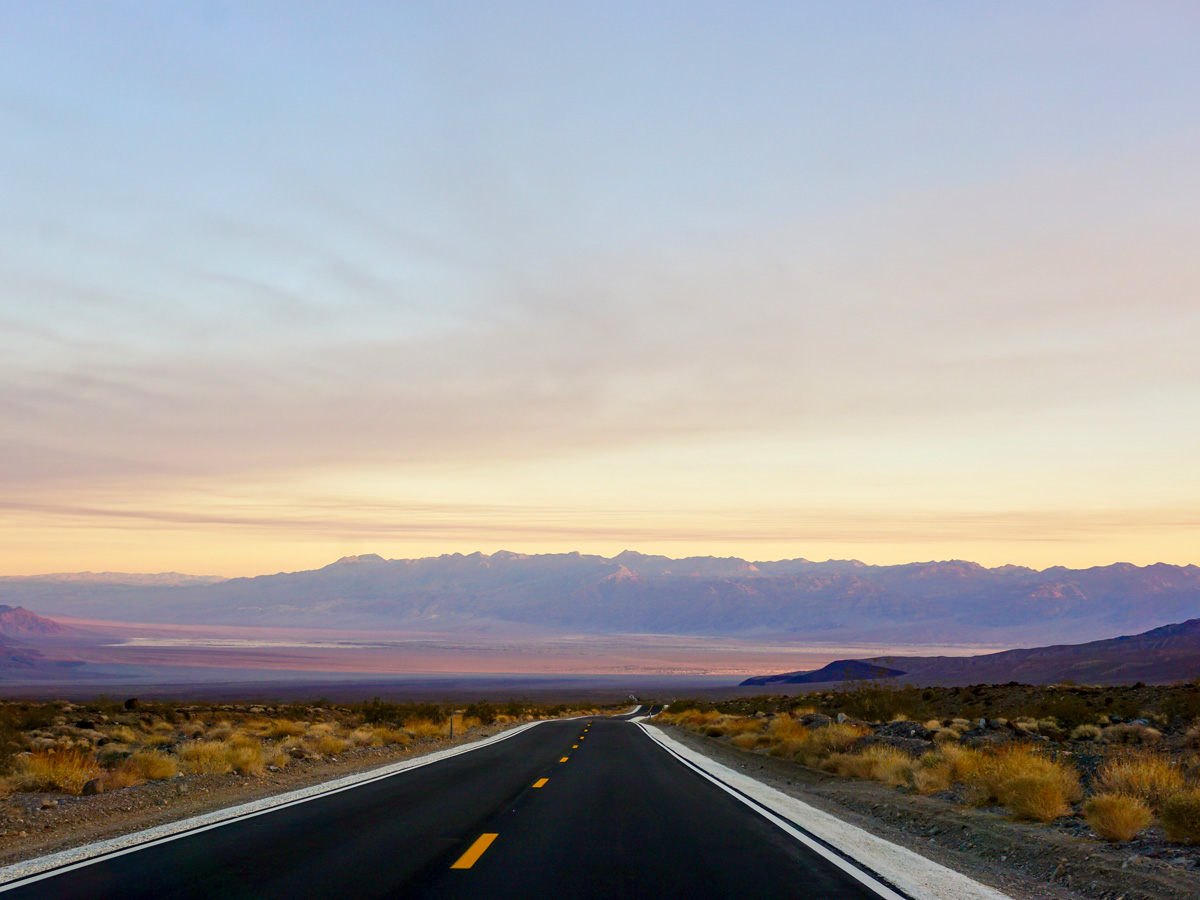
(588, 808)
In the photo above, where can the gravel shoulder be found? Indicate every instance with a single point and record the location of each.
(33, 825)
(1027, 862)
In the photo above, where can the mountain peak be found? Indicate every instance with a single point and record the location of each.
(362, 558)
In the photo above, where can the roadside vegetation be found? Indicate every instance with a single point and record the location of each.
(1126, 760)
(89, 748)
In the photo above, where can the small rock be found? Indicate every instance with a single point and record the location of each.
(49, 804)
(93, 787)
(85, 724)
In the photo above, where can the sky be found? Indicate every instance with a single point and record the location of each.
(282, 282)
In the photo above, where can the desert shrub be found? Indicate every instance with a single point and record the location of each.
(149, 765)
(205, 757)
(745, 741)
(944, 735)
(1117, 817)
(1180, 817)
(482, 710)
(1086, 733)
(934, 725)
(1130, 733)
(56, 770)
(330, 745)
(1151, 779)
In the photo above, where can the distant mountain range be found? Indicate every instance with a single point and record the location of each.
(951, 602)
(1161, 655)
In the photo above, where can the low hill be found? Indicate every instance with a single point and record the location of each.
(18, 622)
(1159, 656)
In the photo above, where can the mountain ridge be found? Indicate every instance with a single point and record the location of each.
(950, 601)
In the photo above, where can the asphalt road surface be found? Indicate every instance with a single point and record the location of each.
(590, 808)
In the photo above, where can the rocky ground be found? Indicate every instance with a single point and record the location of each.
(36, 824)
(1060, 861)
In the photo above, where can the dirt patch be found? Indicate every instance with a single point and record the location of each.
(1063, 861)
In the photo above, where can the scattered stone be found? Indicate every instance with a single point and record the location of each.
(93, 787)
(49, 804)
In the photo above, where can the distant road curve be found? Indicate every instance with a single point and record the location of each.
(585, 808)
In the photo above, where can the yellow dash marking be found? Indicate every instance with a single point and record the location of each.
(541, 782)
(475, 851)
(564, 759)
(574, 746)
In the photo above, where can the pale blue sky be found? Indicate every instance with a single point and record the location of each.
(254, 241)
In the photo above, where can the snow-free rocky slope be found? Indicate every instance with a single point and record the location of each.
(841, 600)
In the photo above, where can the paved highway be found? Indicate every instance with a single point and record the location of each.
(589, 808)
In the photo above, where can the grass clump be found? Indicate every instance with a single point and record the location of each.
(1151, 779)
(205, 758)
(150, 765)
(1117, 817)
(330, 745)
(1031, 785)
(1180, 817)
(56, 770)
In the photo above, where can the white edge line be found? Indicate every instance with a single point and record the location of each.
(853, 871)
(40, 868)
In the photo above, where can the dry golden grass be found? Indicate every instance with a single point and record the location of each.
(1117, 817)
(390, 735)
(1129, 733)
(244, 758)
(120, 778)
(945, 735)
(150, 765)
(204, 758)
(1031, 785)
(285, 728)
(879, 763)
(1086, 733)
(1039, 797)
(365, 737)
(122, 734)
(1180, 817)
(931, 779)
(330, 745)
(423, 728)
(1151, 779)
(56, 770)
(784, 728)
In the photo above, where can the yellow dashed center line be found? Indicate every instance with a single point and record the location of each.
(574, 746)
(541, 782)
(564, 759)
(475, 851)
